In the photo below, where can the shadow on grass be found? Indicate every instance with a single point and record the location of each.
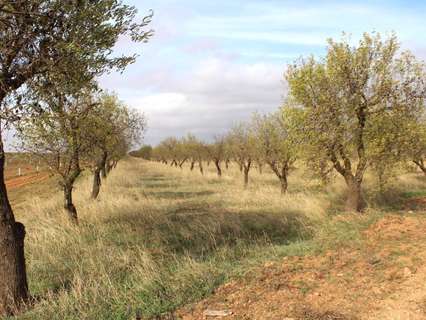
(396, 199)
(199, 229)
(180, 194)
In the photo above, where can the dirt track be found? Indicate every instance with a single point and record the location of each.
(383, 278)
(18, 182)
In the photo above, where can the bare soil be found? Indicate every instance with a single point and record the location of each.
(20, 181)
(382, 277)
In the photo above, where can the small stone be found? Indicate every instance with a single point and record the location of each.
(217, 313)
(407, 272)
(374, 261)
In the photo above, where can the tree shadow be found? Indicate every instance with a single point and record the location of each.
(180, 194)
(199, 229)
(157, 185)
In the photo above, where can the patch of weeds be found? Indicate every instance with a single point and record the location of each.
(414, 194)
(310, 314)
(304, 287)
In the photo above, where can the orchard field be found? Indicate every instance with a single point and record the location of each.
(159, 239)
(286, 177)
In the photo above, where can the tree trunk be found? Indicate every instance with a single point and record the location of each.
(260, 168)
(200, 164)
(227, 164)
(241, 166)
(284, 184)
(192, 165)
(68, 203)
(13, 284)
(100, 165)
(355, 201)
(421, 165)
(96, 182)
(108, 166)
(104, 171)
(181, 163)
(246, 178)
(219, 170)
(246, 174)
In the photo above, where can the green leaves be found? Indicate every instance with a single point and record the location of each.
(357, 101)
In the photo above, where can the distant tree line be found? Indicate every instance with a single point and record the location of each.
(144, 152)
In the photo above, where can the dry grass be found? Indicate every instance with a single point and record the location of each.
(160, 237)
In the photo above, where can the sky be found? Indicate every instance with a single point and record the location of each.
(211, 63)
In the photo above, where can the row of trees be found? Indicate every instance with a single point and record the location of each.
(359, 107)
(266, 139)
(87, 130)
(51, 54)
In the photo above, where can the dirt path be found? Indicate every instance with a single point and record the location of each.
(408, 302)
(18, 182)
(383, 277)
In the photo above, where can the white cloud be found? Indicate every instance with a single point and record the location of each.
(289, 37)
(207, 100)
(240, 44)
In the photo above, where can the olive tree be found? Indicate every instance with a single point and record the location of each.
(58, 136)
(350, 99)
(217, 152)
(35, 36)
(416, 142)
(279, 141)
(144, 152)
(113, 130)
(242, 144)
(169, 149)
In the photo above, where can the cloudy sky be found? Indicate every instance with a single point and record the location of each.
(212, 63)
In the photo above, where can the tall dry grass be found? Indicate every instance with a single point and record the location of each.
(159, 237)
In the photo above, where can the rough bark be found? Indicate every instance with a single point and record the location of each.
(96, 183)
(200, 164)
(218, 168)
(104, 171)
(13, 285)
(69, 178)
(281, 174)
(246, 168)
(68, 203)
(181, 163)
(97, 175)
(421, 165)
(284, 184)
(109, 164)
(355, 201)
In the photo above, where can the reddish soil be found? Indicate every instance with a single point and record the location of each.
(382, 277)
(28, 175)
(18, 182)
